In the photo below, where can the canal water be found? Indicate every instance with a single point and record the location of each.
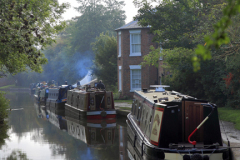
(40, 133)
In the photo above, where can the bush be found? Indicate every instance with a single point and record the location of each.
(4, 105)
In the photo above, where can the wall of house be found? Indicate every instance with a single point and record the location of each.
(149, 74)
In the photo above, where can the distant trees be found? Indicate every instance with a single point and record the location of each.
(72, 55)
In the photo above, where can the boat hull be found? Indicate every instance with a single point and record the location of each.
(81, 114)
(139, 147)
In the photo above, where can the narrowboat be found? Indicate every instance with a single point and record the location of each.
(168, 125)
(57, 97)
(90, 104)
(94, 133)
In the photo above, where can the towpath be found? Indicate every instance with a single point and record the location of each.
(233, 135)
(227, 129)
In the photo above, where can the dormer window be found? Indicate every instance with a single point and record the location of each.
(135, 42)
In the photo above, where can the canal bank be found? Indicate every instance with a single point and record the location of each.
(122, 108)
(15, 89)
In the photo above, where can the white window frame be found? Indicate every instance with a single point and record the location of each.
(120, 77)
(119, 44)
(134, 67)
(132, 32)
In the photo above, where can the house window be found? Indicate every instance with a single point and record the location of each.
(120, 78)
(135, 77)
(119, 44)
(135, 42)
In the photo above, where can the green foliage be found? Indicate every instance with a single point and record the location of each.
(218, 79)
(219, 36)
(230, 115)
(8, 86)
(71, 57)
(152, 57)
(116, 95)
(4, 105)
(105, 49)
(27, 27)
(206, 84)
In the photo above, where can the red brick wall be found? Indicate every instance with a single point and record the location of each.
(149, 74)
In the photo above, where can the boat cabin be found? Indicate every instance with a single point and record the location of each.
(95, 104)
(57, 96)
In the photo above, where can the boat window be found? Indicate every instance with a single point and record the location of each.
(142, 114)
(139, 111)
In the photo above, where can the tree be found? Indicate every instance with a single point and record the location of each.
(97, 16)
(26, 28)
(71, 57)
(105, 49)
(219, 37)
(217, 80)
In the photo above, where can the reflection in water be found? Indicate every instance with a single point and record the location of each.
(93, 133)
(43, 133)
(17, 154)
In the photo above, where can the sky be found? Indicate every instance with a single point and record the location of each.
(130, 10)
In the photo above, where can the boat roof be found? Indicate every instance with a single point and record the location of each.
(162, 97)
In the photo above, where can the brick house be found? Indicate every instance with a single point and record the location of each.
(134, 42)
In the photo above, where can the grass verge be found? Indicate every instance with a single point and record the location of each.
(230, 115)
(125, 108)
(123, 101)
(8, 86)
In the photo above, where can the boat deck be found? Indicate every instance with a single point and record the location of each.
(152, 95)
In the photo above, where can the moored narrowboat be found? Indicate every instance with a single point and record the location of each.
(173, 126)
(90, 104)
(57, 97)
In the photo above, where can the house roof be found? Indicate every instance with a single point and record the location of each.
(131, 25)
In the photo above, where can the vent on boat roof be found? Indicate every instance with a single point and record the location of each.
(144, 89)
(159, 88)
